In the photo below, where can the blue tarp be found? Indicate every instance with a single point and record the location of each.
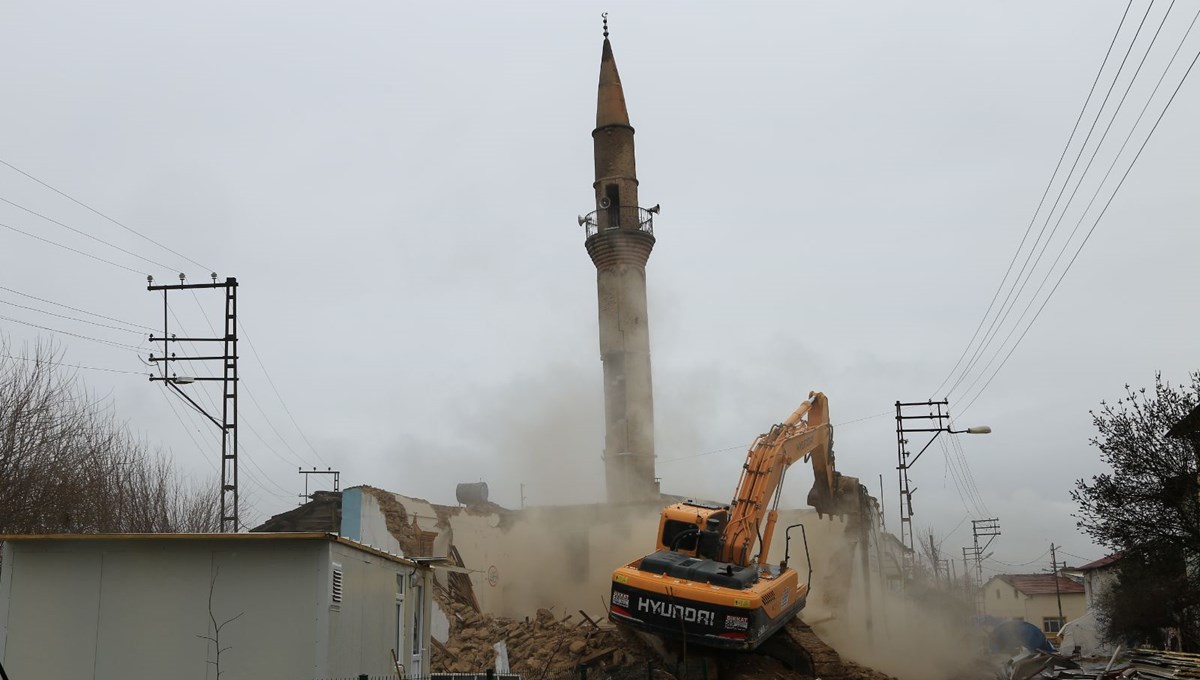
(1009, 635)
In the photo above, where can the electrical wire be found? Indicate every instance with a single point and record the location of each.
(73, 250)
(965, 464)
(118, 345)
(1019, 564)
(70, 318)
(744, 447)
(187, 430)
(297, 458)
(84, 234)
(100, 214)
(62, 365)
(998, 320)
(1041, 202)
(76, 309)
(1088, 235)
(279, 396)
(1070, 200)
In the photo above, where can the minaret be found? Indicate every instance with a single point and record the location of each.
(619, 237)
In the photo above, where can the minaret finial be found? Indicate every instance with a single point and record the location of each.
(604, 16)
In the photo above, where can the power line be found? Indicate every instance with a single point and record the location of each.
(74, 250)
(1041, 202)
(744, 447)
(70, 318)
(1005, 307)
(1020, 564)
(1090, 230)
(253, 399)
(76, 309)
(956, 444)
(1070, 201)
(187, 429)
(85, 234)
(118, 345)
(97, 212)
(55, 363)
(279, 396)
(964, 488)
(706, 453)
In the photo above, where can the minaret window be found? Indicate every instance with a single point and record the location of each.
(613, 193)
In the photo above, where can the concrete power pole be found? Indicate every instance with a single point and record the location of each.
(619, 236)
(1054, 573)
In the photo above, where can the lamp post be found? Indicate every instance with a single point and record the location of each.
(936, 420)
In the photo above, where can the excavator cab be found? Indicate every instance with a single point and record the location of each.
(692, 528)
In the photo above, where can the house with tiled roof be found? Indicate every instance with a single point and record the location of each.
(1098, 577)
(1035, 598)
(1083, 633)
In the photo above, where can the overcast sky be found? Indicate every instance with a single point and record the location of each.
(395, 187)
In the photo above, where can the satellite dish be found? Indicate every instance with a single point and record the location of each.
(604, 202)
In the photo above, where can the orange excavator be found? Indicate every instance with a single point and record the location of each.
(702, 584)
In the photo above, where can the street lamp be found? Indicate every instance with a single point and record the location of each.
(935, 422)
(978, 429)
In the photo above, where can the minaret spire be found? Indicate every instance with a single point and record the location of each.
(610, 105)
(619, 238)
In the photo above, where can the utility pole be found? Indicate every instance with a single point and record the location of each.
(1057, 592)
(981, 528)
(934, 419)
(336, 474)
(229, 383)
(933, 556)
(966, 577)
(882, 514)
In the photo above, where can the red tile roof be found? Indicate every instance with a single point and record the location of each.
(1040, 584)
(1102, 562)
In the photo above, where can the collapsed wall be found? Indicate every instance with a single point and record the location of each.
(539, 580)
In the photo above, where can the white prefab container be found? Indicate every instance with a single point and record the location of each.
(290, 606)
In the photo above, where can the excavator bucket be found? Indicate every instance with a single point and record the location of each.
(844, 499)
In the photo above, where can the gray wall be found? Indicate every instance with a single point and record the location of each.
(128, 609)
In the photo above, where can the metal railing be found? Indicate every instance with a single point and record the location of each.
(625, 216)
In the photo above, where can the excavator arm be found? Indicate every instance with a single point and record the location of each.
(806, 433)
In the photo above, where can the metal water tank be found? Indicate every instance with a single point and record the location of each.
(473, 493)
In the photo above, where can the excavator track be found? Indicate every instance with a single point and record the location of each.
(801, 644)
(793, 653)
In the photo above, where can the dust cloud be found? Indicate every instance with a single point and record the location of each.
(918, 635)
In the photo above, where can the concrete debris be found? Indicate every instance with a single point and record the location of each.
(1148, 663)
(544, 644)
(1143, 664)
(1037, 664)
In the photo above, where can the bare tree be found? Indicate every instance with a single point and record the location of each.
(67, 464)
(215, 630)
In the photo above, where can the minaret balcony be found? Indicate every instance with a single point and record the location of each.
(623, 217)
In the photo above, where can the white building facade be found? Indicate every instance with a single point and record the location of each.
(290, 606)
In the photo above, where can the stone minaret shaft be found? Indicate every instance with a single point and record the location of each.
(619, 240)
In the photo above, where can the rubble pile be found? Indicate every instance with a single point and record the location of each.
(1148, 663)
(545, 645)
(1143, 664)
